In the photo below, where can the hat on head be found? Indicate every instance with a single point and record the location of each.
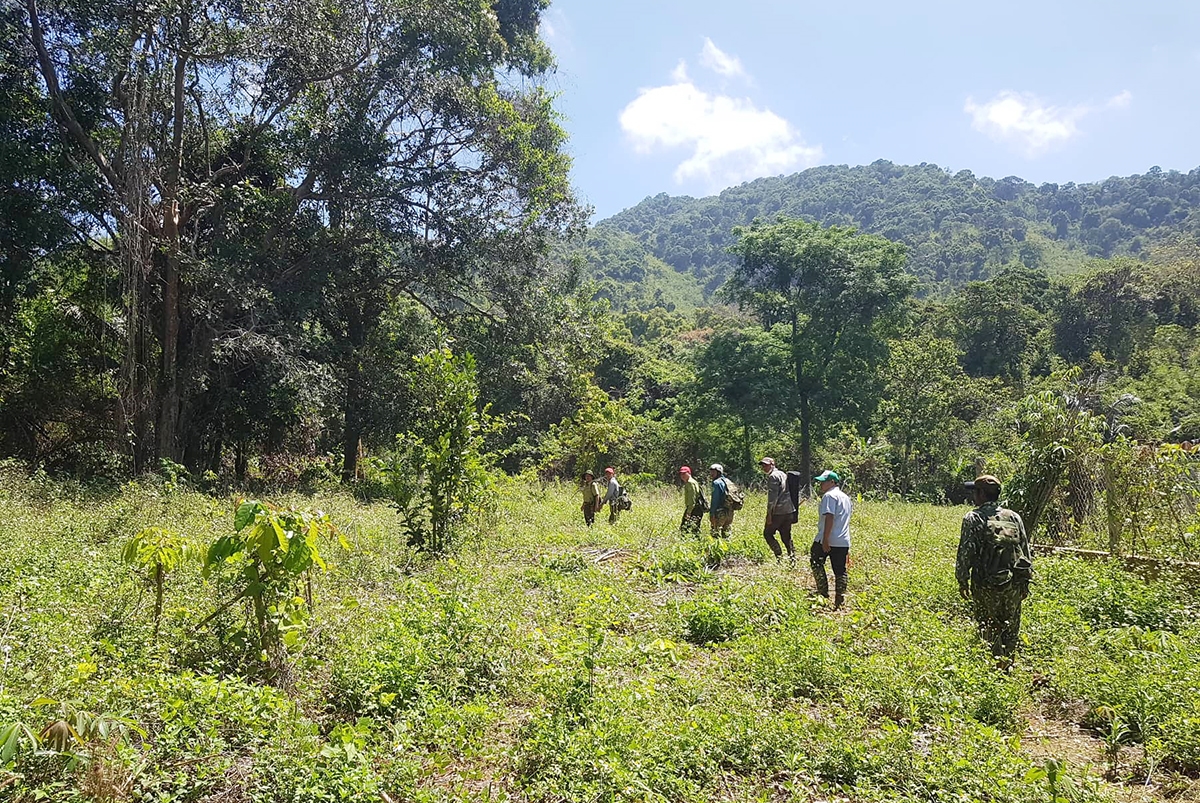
(767, 461)
(717, 467)
(685, 470)
(610, 470)
(588, 473)
(826, 476)
(984, 481)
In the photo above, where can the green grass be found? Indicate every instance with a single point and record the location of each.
(546, 661)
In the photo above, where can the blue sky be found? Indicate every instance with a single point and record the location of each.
(692, 97)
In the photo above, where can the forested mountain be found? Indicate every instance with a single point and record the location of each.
(959, 227)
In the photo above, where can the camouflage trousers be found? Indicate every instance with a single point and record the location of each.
(721, 522)
(998, 612)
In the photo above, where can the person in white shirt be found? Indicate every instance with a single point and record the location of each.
(832, 541)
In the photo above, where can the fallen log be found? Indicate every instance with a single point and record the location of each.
(1143, 565)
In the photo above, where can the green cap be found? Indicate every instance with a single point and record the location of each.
(827, 475)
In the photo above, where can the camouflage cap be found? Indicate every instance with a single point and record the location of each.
(984, 481)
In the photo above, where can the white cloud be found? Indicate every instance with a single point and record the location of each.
(719, 61)
(1121, 100)
(1032, 125)
(730, 139)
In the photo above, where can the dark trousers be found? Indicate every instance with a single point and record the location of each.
(614, 513)
(837, 556)
(783, 526)
(589, 514)
(690, 525)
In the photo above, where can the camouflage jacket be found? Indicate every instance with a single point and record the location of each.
(981, 559)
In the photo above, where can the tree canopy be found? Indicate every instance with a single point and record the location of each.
(958, 227)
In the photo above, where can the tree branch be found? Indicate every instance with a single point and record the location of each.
(59, 104)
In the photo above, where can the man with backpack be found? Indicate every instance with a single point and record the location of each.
(780, 511)
(727, 499)
(613, 496)
(833, 537)
(593, 498)
(694, 503)
(994, 567)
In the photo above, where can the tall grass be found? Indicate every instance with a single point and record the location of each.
(549, 661)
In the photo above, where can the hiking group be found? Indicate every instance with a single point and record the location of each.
(994, 563)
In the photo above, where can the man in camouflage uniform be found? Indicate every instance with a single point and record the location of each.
(994, 567)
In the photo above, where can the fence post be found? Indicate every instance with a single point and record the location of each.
(1112, 507)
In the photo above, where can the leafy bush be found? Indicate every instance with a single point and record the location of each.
(439, 472)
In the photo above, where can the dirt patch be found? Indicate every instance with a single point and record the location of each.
(1055, 733)
(485, 775)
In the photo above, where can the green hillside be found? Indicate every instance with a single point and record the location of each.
(959, 227)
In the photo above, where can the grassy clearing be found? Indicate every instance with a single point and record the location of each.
(550, 662)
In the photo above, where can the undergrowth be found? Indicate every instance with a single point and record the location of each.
(548, 661)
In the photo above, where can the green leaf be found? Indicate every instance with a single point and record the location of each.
(245, 514)
(12, 737)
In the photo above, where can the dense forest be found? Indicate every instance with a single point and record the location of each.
(238, 258)
(958, 227)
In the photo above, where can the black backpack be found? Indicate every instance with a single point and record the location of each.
(795, 481)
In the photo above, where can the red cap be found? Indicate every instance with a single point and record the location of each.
(684, 470)
(610, 470)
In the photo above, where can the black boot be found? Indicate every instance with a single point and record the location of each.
(839, 597)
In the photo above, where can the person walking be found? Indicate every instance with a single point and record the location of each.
(613, 495)
(593, 498)
(779, 511)
(694, 504)
(994, 567)
(833, 537)
(720, 516)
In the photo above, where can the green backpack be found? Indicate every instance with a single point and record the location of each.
(1001, 560)
(735, 497)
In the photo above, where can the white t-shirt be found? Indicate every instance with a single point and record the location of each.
(837, 503)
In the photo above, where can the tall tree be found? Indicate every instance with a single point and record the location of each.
(749, 375)
(1109, 312)
(394, 123)
(923, 380)
(841, 294)
(996, 322)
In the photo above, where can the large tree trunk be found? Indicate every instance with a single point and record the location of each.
(353, 413)
(806, 440)
(195, 409)
(168, 380)
(136, 400)
(168, 387)
(747, 446)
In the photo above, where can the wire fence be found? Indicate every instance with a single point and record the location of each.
(1127, 499)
